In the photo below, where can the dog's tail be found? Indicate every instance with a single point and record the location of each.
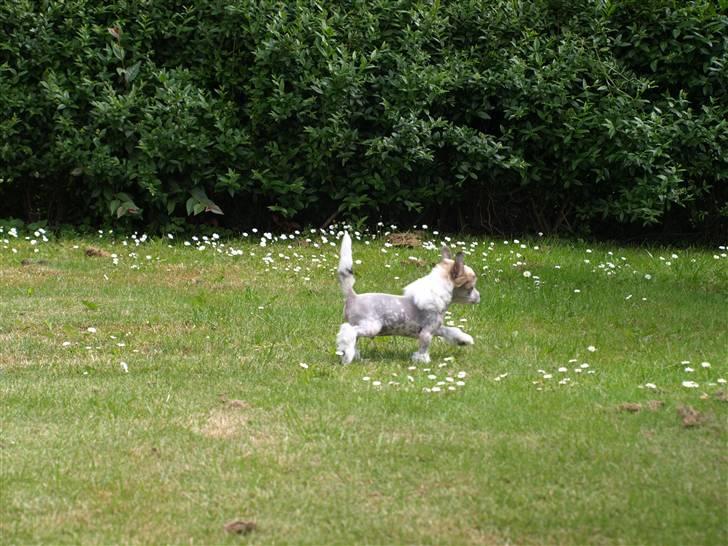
(346, 264)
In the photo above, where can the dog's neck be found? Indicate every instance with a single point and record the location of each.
(433, 292)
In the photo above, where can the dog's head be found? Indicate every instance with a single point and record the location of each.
(462, 277)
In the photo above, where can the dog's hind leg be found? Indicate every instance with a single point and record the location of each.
(346, 343)
(348, 334)
(454, 335)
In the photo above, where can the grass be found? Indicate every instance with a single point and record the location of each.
(216, 419)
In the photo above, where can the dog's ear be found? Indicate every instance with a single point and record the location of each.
(445, 253)
(458, 267)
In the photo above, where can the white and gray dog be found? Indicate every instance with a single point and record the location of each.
(418, 313)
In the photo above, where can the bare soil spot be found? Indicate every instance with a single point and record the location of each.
(406, 238)
(240, 527)
(240, 420)
(417, 263)
(28, 261)
(94, 252)
(224, 424)
(634, 407)
(234, 404)
(690, 416)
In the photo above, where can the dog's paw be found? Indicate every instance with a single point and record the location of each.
(466, 339)
(346, 356)
(422, 358)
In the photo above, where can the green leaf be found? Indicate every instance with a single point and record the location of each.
(213, 208)
(199, 202)
(91, 306)
(118, 51)
(132, 72)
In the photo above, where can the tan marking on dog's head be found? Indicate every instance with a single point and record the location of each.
(466, 279)
(460, 274)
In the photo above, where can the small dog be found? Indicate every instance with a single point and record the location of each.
(418, 313)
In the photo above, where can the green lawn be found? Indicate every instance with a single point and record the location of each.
(155, 399)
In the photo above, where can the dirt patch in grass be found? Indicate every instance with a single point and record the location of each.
(23, 275)
(237, 420)
(28, 262)
(634, 407)
(240, 527)
(406, 239)
(95, 252)
(236, 404)
(224, 423)
(417, 262)
(690, 416)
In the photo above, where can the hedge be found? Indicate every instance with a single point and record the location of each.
(502, 115)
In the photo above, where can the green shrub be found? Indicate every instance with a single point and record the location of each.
(503, 115)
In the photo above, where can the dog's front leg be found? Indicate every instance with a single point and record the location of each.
(423, 355)
(454, 335)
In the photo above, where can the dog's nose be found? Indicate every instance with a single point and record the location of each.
(476, 298)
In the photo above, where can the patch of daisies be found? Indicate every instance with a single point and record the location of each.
(694, 376)
(10, 239)
(92, 342)
(430, 379)
(565, 375)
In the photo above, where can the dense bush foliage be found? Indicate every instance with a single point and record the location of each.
(497, 114)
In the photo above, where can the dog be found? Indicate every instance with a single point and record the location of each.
(419, 313)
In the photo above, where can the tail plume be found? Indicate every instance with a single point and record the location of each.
(346, 264)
